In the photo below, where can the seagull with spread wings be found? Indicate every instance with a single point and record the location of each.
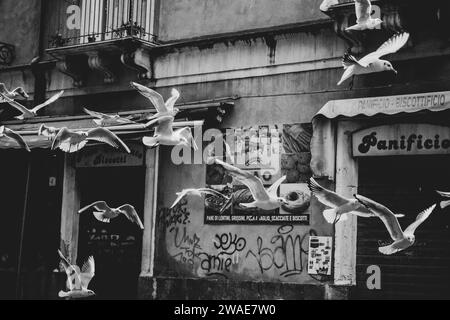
(372, 63)
(445, 203)
(17, 92)
(198, 192)
(77, 280)
(105, 120)
(340, 206)
(30, 113)
(266, 199)
(73, 140)
(162, 108)
(105, 213)
(10, 134)
(364, 20)
(402, 239)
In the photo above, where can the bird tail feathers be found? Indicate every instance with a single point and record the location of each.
(330, 215)
(63, 294)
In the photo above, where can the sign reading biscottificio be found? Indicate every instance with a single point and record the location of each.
(401, 139)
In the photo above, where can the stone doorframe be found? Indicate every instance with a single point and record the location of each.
(71, 205)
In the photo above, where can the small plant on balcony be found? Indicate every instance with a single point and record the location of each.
(129, 28)
(57, 40)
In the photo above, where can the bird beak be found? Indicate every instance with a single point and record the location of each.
(395, 71)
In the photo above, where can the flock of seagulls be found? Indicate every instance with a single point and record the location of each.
(367, 208)
(69, 140)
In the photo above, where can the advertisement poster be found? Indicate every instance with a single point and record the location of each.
(269, 153)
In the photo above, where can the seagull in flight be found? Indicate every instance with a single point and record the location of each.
(402, 239)
(71, 141)
(10, 134)
(17, 92)
(372, 63)
(340, 206)
(77, 280)
(105, 120)
(104, 213)
(266, 199)
(199, 192)
(30, 113)
(445, 203)
(165, 135)
(162, 108)
(364, 21)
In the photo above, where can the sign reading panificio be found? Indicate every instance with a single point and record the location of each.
(401, 139)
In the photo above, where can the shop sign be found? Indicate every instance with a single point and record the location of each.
(401, 139)
(106, 156)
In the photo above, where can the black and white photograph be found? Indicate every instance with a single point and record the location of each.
(223, 157)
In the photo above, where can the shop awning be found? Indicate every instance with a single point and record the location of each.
(388, 105)
(29, 130)
(323, 143)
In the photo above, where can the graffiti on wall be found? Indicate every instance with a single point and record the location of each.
(281, 254)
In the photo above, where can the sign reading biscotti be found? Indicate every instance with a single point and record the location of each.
(106, 156)
(401, 139)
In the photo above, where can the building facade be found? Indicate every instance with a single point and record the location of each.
(240, 66)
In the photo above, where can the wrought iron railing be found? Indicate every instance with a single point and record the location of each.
(89, 21)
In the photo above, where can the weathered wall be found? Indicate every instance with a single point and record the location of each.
(193, 18)
(19, 26)
(189, 248)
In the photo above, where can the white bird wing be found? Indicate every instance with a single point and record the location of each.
(170, 103)
(272, 190)
(96, 114)
(98, 205)
(394, 44)
(326, 4)
(73, 273)
(252, 182)
(200, 191)
(108, 137)
(421, 217)
(16, 137)
(87, 272)
(61, 137)
(187, 134)
(443, 194)
(155, 98)
(387, 216)
(327, 197)
(49, 101)
(17, 105)
(130, 212)
(363, 10)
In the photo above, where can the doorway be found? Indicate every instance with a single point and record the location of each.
(116, 246)
(406, 185)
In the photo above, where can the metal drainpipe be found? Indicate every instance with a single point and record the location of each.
(37, 68)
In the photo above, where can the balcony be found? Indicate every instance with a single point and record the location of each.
(97, 35)
(397, 16)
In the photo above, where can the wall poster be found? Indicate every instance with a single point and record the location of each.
(268, 152)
